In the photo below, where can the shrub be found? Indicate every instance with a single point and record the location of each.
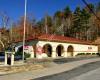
(98, 54)
(27, 55)
(93, 53)
(18, 53)
(88, 53)
(21, 54)
(81, 54)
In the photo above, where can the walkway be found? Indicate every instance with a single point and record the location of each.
(58, 68)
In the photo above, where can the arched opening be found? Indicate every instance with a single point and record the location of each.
(59, 50)
(70, 51)
(19, 53)
(28, 52)
(47, 49)
(20, 49)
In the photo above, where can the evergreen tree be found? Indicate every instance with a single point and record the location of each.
(77, 22)
(67, 21)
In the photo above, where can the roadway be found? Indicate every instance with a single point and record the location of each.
(76, 70)
(89, 71)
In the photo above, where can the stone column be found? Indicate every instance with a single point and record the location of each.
(5, 58)
(12, 59)
(74, 54)
(65, 53)
(54, 52)
(31, 54)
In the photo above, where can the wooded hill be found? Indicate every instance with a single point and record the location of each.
(81, 23)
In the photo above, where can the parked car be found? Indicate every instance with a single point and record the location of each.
(2, 56)
(16, 57)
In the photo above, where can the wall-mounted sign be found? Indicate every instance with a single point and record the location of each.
(89, 48)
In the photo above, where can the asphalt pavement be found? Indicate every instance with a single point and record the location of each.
(65, 71)
(67, 75)
(91, 75)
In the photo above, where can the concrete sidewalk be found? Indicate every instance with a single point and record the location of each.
(47, 71)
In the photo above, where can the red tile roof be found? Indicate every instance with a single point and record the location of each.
(56, 38)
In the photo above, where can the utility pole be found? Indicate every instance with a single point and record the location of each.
(11, 32)
(11, 35)
(24, 28)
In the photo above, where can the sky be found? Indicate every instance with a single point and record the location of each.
(38, 8)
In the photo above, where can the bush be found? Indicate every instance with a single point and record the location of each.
(21, 54)
(18, 54)
(27, 55)
(88, 53)
(93, 53)
(81, 54)
(98, 54)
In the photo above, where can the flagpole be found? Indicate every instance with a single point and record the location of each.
(24, 28)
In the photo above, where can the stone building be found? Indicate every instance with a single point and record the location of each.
(56, 46)
(97, 42)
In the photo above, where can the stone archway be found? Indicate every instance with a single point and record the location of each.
(20, 49)
(28, 51)
(70, 51)
(47, 48)
(59, 50)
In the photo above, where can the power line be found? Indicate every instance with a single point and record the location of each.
(84, 1)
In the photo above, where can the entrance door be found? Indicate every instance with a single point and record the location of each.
(59, 50)
(48, 50)
(70, 50)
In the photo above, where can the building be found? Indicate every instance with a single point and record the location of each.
(97, 42)
(54, 46)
